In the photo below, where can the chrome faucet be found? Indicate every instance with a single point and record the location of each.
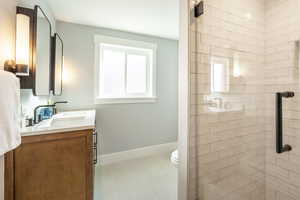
(220, 102)
(211, 103)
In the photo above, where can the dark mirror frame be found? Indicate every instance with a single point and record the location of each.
(28, 82)
(56, 38)
(34, 47)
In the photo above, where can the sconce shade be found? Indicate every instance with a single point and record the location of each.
(23, 44)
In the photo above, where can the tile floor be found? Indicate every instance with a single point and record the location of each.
(149, 178)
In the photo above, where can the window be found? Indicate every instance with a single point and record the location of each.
(125, 71)
(219, 75)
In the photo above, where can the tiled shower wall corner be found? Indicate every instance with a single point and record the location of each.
(227, 148)
(282, 31)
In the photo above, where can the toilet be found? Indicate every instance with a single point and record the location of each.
(174, 158)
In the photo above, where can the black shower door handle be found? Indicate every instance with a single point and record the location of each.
(280, 148)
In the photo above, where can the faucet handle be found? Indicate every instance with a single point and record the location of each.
(60, 102)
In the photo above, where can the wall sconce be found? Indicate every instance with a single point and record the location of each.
(23, 53)
(22, 63)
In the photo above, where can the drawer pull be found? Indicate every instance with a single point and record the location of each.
(95, 147)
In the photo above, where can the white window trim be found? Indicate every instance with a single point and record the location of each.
(98, 39)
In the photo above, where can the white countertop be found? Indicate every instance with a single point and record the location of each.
(63, 122)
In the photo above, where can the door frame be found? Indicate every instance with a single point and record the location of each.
(184, 98)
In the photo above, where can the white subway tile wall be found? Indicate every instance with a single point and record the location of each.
(282, 31)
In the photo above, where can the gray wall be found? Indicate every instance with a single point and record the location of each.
(122, 126)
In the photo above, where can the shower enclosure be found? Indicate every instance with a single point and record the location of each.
(244, 133)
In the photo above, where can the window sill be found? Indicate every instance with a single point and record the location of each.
(125, 100)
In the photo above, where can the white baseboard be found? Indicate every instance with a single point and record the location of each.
(137, 153)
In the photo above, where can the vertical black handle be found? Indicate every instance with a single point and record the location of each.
(95, 146)
(280, 148)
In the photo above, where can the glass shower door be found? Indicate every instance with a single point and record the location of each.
(244, 65)
(227, 140)
(229, 131)
(281, 73)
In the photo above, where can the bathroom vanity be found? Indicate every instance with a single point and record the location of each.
(55, 160)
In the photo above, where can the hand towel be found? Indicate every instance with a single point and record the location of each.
(10, 135)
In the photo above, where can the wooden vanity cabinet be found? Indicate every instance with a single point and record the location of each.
(55, 166)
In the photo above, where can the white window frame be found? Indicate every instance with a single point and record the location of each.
(134, 47)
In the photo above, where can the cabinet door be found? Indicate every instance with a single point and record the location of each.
(54, 167)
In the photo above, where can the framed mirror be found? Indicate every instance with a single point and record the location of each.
(41, 53)
(57, 68)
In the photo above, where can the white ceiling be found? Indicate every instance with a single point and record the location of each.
(151, 17)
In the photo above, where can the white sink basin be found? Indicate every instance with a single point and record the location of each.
(72, 115)
(64, 122)
(63, 119)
